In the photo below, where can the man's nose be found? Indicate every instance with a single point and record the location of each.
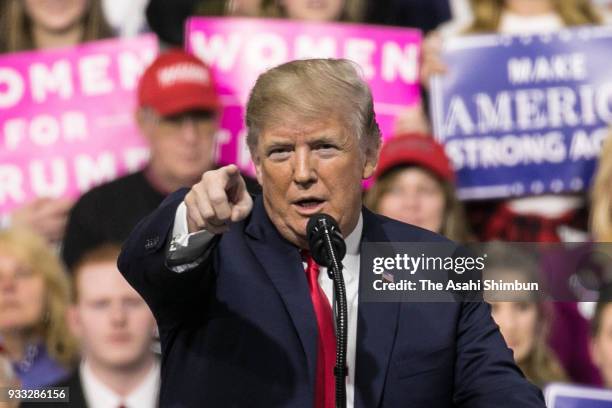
(189, 130)
(305, 170)
(118, 314)
(411, 200)
(8, 283)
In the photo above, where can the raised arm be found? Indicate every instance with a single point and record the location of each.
(176, 290)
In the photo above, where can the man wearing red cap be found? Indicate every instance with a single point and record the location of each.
(178, 114)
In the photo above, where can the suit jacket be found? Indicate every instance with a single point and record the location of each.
(240, 329)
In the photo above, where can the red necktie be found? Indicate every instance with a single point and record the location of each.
(326, 344)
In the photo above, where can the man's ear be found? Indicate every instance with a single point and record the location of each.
(371, 159)
(257, 161)
(144, 121)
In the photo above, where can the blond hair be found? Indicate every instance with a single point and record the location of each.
(16, 25)
(305, 91)
(601, 196)
(32, 250)
(487, 14)
(541, 366)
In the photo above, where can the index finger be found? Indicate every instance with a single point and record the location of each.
(233, 175)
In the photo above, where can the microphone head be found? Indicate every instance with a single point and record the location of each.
(318, 226)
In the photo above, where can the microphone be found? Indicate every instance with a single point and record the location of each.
(324, 236)
(327, 248)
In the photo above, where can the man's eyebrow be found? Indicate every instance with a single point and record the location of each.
(274, 144)
(279, 142)
(323, 139)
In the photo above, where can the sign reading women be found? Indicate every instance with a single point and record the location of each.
(239, 50)
(67, 118)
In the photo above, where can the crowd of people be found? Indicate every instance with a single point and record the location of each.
(68, 317)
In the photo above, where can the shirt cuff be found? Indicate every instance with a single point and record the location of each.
(184, 244)
(180, 222)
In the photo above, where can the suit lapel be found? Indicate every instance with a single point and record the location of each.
(282, 263)
(376, 331)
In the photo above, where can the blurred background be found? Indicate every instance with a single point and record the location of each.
(95, 133)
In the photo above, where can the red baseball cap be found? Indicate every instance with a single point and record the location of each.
(414, 149)
(177, 82)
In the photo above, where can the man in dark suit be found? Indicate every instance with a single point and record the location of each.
(244, 314)
(114, 327)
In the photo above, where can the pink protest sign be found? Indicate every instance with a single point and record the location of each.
(66, 120)
(239, 50)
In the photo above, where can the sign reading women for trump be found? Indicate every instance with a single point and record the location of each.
(524, 115)
(67, 118)
(239, 50)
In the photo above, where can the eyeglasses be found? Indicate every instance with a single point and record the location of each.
(203, 122)
(195, 118)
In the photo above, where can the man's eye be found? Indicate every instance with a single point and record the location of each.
(326, 150)
(99, 304)
(279, 154)
(326, 146)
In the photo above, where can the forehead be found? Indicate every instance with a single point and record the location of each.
(413, 173)
(101, 279)
(304, 130)
(11, 261)
(7, 260)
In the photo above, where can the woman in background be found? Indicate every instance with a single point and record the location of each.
(530, 16)
(327, 10)
(524, 319)
(34, 294)
(414, 183)
(41, 24)
(601, 196)
(540, 218)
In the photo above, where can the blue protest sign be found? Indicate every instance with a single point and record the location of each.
(573, 396)
(524, 115)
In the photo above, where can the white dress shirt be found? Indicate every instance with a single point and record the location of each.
(350, 271)
(99, 395)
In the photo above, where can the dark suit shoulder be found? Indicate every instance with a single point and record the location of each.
(398, 231)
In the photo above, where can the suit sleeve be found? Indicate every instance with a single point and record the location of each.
(485, 372)
(174, 298)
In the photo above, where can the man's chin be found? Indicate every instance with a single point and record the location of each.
(123, 361)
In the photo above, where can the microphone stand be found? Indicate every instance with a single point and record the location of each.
(341, 315)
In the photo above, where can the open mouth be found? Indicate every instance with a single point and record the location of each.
(308, 206)
(309, 202)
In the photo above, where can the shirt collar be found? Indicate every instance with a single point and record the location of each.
(354, 238)
(145, 395)
(99, 395)
(350, 263)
